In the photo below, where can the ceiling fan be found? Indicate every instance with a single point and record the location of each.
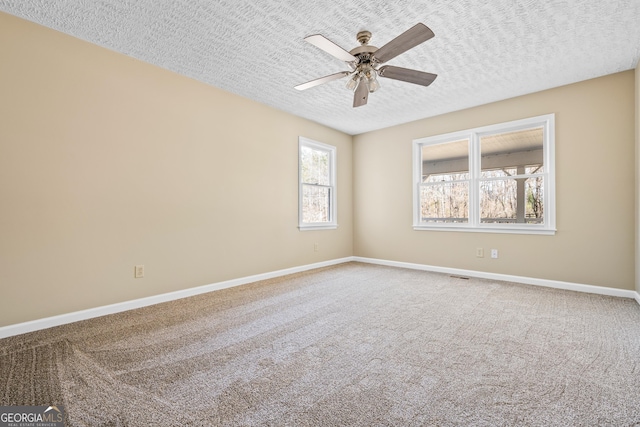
(364, 62)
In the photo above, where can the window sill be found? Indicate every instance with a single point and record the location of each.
(317, 227)
(500, 230)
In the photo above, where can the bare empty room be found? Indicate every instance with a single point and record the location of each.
(340, 214)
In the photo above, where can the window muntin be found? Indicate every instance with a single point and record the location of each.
(317, 193)
(501, 175)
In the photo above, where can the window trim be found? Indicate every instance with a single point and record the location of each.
(333, 210)
(547, 122)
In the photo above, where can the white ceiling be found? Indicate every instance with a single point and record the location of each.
(483, 51)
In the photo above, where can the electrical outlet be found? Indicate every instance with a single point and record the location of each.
(494, 253)
(480, 252)
(315, 247)
(139, 271)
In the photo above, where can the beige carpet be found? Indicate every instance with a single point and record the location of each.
(354, 344)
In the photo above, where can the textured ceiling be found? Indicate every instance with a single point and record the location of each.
(482, 51)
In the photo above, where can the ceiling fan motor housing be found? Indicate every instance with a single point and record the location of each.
(364, 51)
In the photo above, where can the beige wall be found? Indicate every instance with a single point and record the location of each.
(107, 162)
(637, 157)
(594, 182)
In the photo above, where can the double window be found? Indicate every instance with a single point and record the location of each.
(497, 178)
(317, 185)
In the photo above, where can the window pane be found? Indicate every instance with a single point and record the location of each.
(511, 153)
(498, 201)
(445, 203)
(315, 166)
(516, 201)
(534, 188)
(445, 162)
(315, 204)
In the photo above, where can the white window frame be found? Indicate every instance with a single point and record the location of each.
(473, 135)
(333, 210)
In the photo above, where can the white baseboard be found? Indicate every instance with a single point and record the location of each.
(35, 325)
(508, 278)
(48, 322)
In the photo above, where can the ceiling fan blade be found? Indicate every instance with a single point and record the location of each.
(330, 47)
(322, 80)
(407, 75)
(361, 95)
(415, 35)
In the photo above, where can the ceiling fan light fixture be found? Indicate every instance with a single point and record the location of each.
(353, 81)
(373, 82)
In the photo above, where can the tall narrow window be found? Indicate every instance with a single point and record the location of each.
(497, 178)
(317, 189)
